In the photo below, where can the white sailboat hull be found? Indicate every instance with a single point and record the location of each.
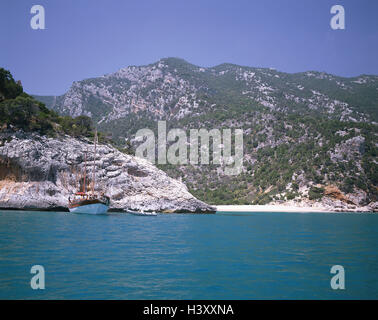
(94, 208)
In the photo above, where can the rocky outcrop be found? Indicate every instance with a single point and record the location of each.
(328, 204)
(334, 200)
(334, 192)
(38, 172)
(336, 205)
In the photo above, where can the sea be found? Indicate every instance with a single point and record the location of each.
(189, 256)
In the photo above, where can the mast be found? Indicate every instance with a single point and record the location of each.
(94, 163)
(77, 178)
(85, 171)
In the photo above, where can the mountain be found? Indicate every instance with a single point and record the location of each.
(175, 89)
(41, 165)
(304, 133)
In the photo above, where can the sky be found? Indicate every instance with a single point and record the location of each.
(85, 38)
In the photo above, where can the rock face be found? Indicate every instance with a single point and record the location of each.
(299, 129)
(37, 172)
(172, 88)
(335, 193)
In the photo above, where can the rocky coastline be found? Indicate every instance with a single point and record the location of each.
(39, 173)
(327, 204)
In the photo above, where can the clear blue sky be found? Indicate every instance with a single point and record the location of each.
(86, 38)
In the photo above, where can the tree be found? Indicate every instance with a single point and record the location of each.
(9, 89)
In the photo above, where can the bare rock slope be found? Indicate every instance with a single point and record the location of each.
(37, 172)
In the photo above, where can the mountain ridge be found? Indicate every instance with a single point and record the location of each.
(186, 68)
(217, 66)
(296, 126)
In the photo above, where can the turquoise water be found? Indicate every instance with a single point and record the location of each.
(179, 256)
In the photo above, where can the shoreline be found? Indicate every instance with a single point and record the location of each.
(281, 208)
(231, 208)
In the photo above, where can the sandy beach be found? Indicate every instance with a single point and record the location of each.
(269, 208)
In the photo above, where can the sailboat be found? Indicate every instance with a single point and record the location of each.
(89, 202)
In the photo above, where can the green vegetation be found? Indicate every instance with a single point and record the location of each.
(300, 129)
(302, 153)
(315, 193)
(20, 111)
(9, 89)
